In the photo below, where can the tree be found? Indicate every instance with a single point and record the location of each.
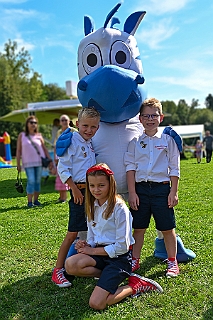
(19, 84)
(169, 111)
(53, 92)
(209, 102)
(183, 112)
(203, 116)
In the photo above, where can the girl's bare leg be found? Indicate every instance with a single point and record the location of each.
(81, 265)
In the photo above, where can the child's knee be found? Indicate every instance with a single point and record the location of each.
(69, 266)
(96, 304)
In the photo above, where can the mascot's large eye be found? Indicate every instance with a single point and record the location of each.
(120, 55)
(91, 58)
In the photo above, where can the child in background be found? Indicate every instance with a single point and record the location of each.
(198, 150)
(55, 127)
(106, 253)
(72, 167)
(152, 163)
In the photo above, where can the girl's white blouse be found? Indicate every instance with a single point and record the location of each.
(115, 233)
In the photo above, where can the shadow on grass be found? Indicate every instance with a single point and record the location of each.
(8, 189)
(208, 315)
(149, 263)
(38, 298)
(44, 204)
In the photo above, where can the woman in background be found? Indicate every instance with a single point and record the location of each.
(30, 149)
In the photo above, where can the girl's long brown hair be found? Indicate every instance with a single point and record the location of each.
(89, 199)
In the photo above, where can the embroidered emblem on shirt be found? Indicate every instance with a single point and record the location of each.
(161, 147)
(94, 224)
(143, 145)
(83, 149)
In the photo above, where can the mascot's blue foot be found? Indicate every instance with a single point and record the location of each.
(72, 250)
(183, 254)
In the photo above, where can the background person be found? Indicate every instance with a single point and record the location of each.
(31, 160)
(208, 142)
(55, 128)
(59, 185)
(198, 150)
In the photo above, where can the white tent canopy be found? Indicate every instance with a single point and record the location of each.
(189, 131)
(46, 112)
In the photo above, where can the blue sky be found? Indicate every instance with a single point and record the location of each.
(174, 38)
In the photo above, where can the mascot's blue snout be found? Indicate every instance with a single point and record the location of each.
(122, 95)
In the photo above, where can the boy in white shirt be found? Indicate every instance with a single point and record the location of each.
(72, 167)
(152, 163)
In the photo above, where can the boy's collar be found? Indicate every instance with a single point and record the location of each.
(81, 138)
(157, 134)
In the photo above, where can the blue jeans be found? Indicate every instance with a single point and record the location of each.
(33, 179)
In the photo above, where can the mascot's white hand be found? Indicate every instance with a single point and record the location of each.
(133, 200)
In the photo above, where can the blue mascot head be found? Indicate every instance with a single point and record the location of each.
(110, 68)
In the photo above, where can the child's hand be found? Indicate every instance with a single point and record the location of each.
(133, 200)
(77, 195)
(86, 250)
(80, 244)
(172, 199)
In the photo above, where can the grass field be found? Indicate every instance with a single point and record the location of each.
(30, 239)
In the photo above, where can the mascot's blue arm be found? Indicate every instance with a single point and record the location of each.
(168, 130)
(63, 142)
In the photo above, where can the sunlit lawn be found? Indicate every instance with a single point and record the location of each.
(30, 239)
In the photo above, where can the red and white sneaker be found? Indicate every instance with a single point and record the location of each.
(172, 268)
(135, 264)
(59, 279)
(141, 285)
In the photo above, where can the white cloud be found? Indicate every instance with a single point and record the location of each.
(20, 14)
(21, 43)
(53, 42)
(157, 7)
(157, 33)
(13, 1)
(192, 76)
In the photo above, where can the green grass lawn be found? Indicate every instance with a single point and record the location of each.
(30, 239)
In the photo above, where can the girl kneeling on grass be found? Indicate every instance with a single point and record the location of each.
(106, 253)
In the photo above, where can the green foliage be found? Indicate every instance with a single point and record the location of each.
(53, 92)
(30, 239)
(183, 114)
(19, 85)
(209, 102)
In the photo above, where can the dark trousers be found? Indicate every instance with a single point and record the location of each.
(208, 155)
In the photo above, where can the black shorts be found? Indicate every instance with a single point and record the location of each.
(153, 199)
(77, 215)
(114, 270)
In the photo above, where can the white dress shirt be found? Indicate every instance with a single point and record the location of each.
(153, 158)
(79, 157)
(115, 232)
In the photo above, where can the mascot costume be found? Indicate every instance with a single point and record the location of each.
(111, 80)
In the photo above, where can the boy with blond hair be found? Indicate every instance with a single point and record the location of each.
(72, 167)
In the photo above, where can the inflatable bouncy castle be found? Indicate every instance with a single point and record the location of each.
(5, 151)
